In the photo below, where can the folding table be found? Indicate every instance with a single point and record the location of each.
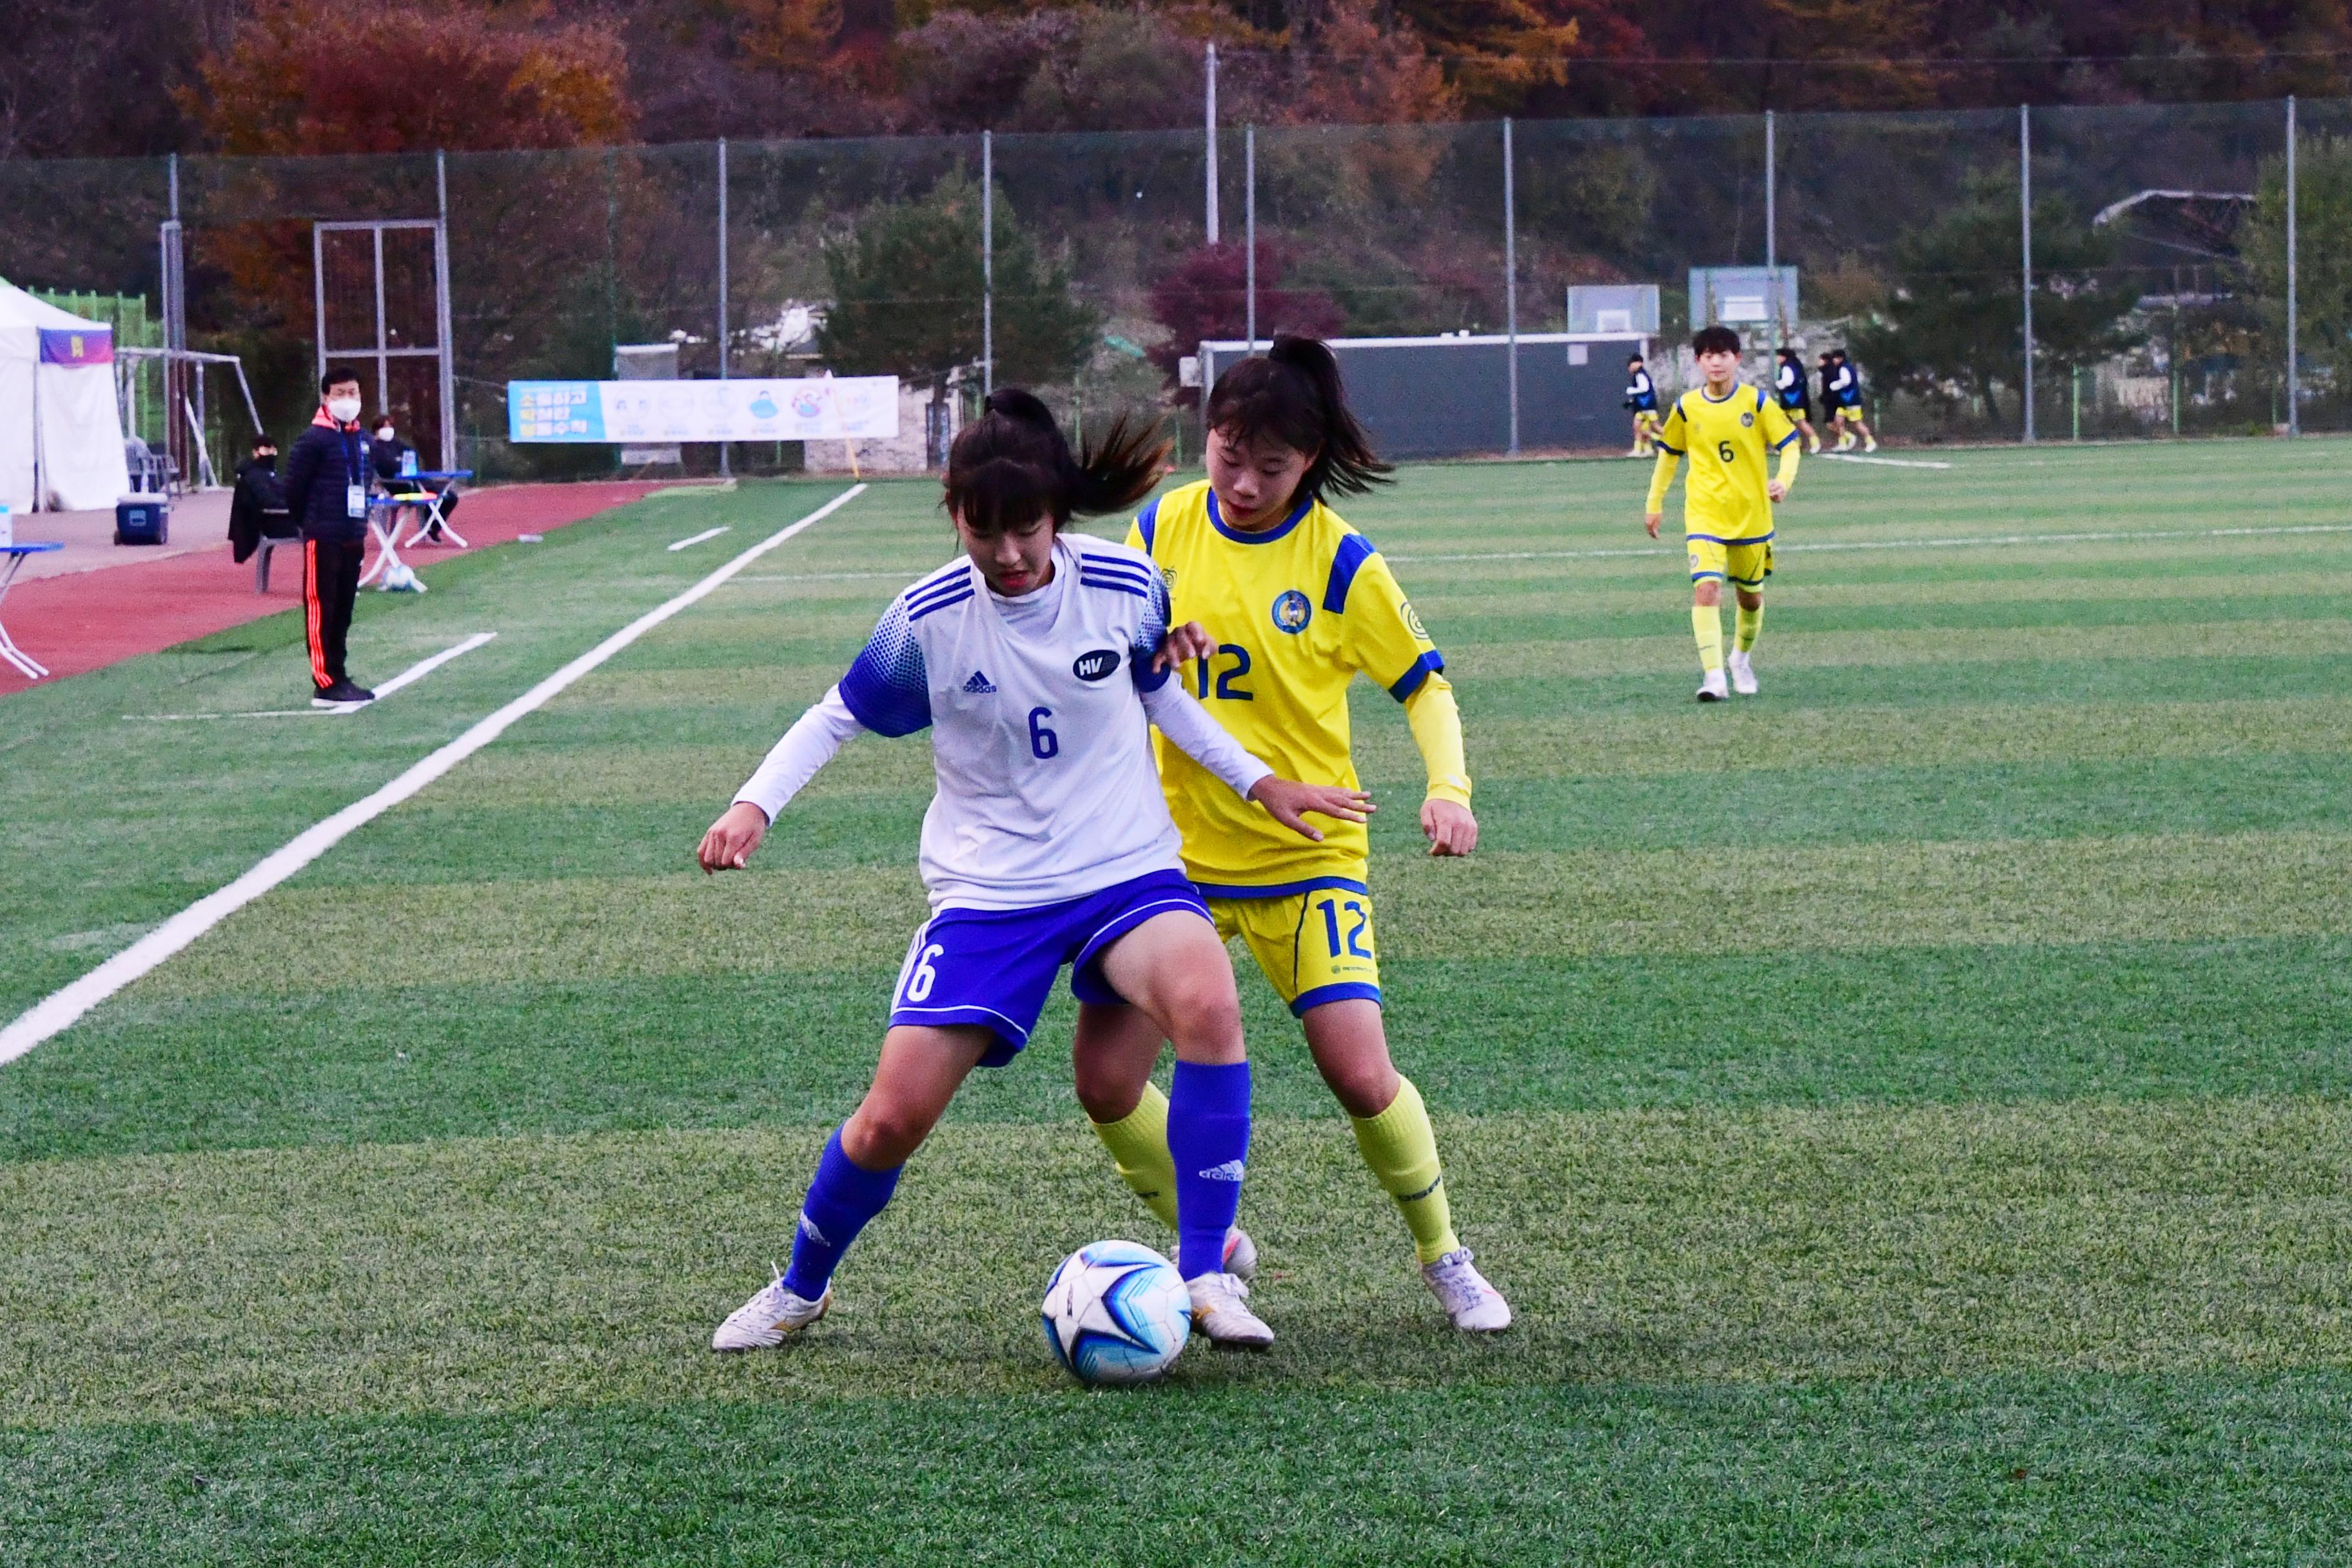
(447, 479)
(16, 554)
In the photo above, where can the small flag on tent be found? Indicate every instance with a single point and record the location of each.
(76, 345)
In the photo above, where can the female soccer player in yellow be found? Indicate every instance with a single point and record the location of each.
(1297, 604)
(1725, 426)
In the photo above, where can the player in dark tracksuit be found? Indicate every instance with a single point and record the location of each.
(1641, 397)
(327, 484)
(1791, 387)
(1842, 392)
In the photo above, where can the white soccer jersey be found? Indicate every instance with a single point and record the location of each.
(1040, 737)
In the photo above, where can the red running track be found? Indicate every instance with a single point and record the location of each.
(88, 620)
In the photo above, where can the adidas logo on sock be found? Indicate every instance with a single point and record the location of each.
(809, 1229)
(979, 685)
(1230, 1171)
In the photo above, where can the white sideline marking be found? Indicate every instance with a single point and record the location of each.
(409, 677)
(2116, 536)
(1884, 462)
(712, 533)
(61, 1009)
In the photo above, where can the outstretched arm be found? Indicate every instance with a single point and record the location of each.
(1183, 721)
(807, 746)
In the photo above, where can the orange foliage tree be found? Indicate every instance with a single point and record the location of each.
(305, 76)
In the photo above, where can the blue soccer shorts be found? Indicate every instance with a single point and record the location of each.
(996, 967)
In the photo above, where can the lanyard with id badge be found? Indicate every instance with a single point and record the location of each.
(355, 496)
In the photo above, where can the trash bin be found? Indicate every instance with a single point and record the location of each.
(143, 520)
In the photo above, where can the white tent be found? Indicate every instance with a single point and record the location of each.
(60, 430)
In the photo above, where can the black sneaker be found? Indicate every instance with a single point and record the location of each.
(342, 694)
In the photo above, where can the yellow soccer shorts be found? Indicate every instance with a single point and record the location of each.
(1313, 947)
(1744, 562)
(1648, 421)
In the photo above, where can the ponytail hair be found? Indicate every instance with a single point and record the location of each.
(1294, 394)
(1012, 466)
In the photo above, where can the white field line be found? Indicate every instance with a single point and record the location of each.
(697, 538)
(61, 1009)
(1993, 539)
(409, 677)
(1883, 462)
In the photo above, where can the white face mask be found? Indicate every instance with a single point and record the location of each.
(342, 410)
(383, 433)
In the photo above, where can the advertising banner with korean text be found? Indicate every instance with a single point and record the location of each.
(815, 408)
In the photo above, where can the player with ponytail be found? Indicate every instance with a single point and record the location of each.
(1297, 604)
(1035, 660)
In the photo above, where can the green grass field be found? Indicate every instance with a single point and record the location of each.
(1911, 1110)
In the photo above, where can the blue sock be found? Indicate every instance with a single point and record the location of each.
(1208, 1135)
(841, 1198)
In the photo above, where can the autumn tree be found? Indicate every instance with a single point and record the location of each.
(1206, 295)
(306, 75)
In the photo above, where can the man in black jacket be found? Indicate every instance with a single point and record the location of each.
(258, 507)
(327, 481)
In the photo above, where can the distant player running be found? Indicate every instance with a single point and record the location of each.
(1845, 402)
(1034, 659)
(1641, 397)
(1300, 605)
(1725, 426)
(1791, 386)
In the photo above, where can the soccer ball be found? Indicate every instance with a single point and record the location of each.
(401, 578)
(1117, 1312)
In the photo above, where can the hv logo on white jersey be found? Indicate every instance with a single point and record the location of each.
(1230, 1171)
(979, 685)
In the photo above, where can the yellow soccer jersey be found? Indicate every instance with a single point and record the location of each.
(1723, 498)
(1297, 611)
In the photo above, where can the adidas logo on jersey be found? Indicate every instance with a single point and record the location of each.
(1230, 1171)
(979, 685)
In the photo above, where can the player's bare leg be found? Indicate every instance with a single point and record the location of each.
(1812, 438)
(1869, 441)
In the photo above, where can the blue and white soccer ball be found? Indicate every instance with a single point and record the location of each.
(1117, 1312)
(401, 578)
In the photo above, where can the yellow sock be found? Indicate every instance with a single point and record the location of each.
(1707, 621)
(1137, 1141)
(1750, 622)
(1401, 1149)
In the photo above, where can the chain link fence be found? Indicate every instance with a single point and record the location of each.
(2048, 274)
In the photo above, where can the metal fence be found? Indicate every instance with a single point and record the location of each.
(2018, 274)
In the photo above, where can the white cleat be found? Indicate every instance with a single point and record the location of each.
(1219, 1314)
(1476, 1306)
(1870, 445)
(1241, 1255)
(1743, 674)
(768, 1317)
(1711, 689)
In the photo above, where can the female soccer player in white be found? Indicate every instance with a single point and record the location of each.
(1036, 660)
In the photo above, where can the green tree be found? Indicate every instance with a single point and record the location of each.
(2323, 279)
(1955, 317)
(907, 288)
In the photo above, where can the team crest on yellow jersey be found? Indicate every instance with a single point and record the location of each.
(1291, 611)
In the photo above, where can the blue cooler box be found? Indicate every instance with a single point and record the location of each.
(143, 520)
